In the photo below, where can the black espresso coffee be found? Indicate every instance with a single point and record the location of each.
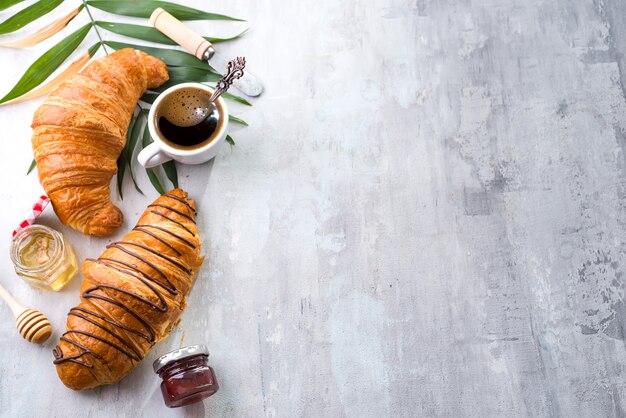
(187, 119)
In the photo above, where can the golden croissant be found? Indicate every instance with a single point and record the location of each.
(132, 295)
(80, 131)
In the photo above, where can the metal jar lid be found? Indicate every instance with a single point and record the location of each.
(181, 353)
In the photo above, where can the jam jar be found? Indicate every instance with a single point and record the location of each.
(42, 257)
(187, 376)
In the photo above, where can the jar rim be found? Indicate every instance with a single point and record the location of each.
(179, 354)
(23, 233)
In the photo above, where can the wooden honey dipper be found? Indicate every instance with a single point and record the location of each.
(31, 324)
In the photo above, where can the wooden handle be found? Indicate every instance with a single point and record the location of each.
(179, 33)
(16, 308)
(31, 324)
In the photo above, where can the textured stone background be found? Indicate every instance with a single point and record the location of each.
(426, 217)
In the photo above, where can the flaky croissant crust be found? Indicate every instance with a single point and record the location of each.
(132, 295)
(80, 131)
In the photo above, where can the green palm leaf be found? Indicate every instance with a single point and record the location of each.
(149, 97)
(147, 33)
(121, 168)
(169, 56)
(131, 143)
(199, 75)
(47, 63)
(122, 162)
(235, 119)
(218, 40)
(154, 179)
(145, 8)
(33, 164)
(234, 98)
(152, 176)
(5, 4)
(29, 14)
(171, 172)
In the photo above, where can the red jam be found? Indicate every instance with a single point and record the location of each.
(187, 376)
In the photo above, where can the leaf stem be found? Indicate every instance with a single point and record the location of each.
(93, 23)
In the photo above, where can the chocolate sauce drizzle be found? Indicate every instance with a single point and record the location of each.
(158, 205)
(173, 220)
(156, 237)
(183, 201)
(156, 285)
(189, 243)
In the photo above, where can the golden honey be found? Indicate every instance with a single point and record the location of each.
(43, 257)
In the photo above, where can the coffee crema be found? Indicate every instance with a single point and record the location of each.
(186, 119)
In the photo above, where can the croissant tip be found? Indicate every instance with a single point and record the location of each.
(105, 222)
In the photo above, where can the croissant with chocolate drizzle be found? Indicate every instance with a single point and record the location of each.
(132, 295)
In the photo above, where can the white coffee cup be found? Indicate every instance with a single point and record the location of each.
(160, 151)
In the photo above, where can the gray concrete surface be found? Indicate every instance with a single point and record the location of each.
(426, 217)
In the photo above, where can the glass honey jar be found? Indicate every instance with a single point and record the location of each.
(42, 257)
